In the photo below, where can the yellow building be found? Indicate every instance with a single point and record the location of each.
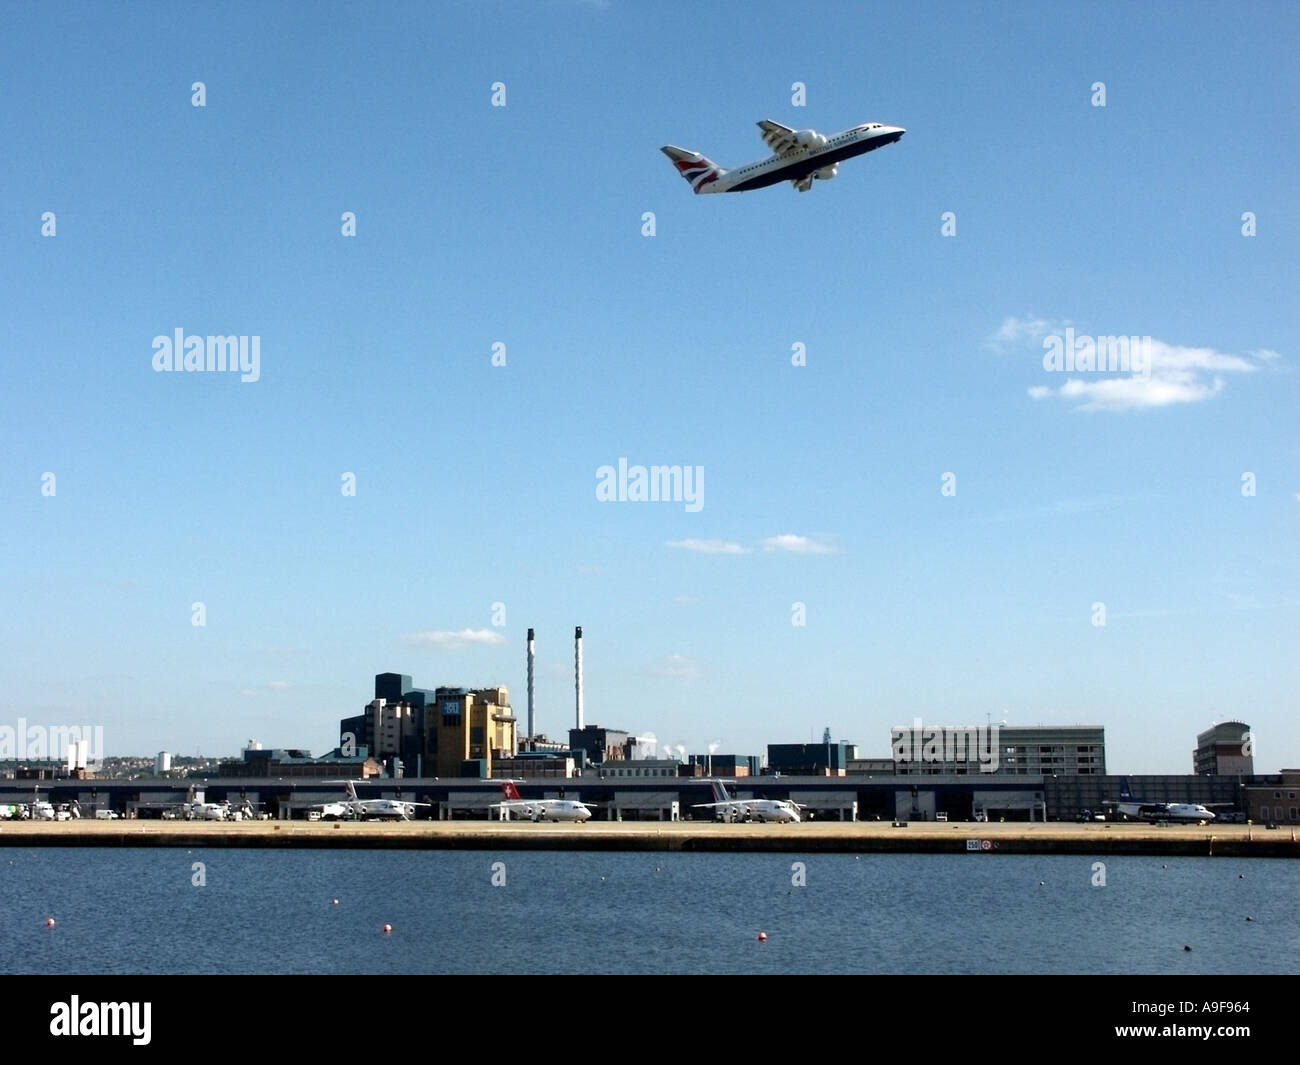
(468, 725)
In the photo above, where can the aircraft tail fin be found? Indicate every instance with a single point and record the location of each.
(694, 167)
(509, 791)
(352, 791)
(720, 792)
(1124, 792)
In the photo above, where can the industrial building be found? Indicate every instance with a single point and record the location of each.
(292, 762)
(446, 732)
(597, 744)
(810, 759)
(723, 765)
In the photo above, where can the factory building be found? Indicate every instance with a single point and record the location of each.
(418, 731)
(599, 744)
(468, 726)
(725, 765)
(1224, 749)
(280, 762)
(810, 759)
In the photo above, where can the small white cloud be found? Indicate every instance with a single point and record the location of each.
(273, 686)
(1015, 330)
(710, 547)
(1265, 355)
(797, 545)
(1177, 374)
(454, 640)
(675, 665)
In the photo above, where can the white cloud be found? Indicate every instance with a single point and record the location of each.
(273, 686)
(1178, 374)
(449, 640)
(675, 665)
(1014, 330)
(797, 545)
(710, 547)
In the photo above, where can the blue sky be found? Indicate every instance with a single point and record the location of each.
(523, 225)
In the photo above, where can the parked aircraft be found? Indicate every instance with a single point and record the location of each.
(366, 809)
(542, 809)
(800, 157)
(1145, 810)
(729, 809)
(207, 811)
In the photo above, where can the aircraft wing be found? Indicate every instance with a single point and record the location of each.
(733, 802)
(781, 139)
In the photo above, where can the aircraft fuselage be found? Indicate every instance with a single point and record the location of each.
(799, 165)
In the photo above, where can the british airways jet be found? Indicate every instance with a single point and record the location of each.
(800, 157)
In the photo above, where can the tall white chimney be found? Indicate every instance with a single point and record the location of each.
(532, 722)
(577, 669)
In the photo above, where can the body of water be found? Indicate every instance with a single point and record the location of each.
(268, 911)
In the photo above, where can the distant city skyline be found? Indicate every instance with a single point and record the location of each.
(897, 463)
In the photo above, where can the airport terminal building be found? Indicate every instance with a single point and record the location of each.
(886, 797)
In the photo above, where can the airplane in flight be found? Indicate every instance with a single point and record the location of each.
(729, 809)
(799, 156)
(366, 809)
(541, 809)
(1144, 810)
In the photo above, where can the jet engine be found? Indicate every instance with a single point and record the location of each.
(810, 138)
(826, 172)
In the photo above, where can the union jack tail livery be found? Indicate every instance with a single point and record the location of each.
(694, 167)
